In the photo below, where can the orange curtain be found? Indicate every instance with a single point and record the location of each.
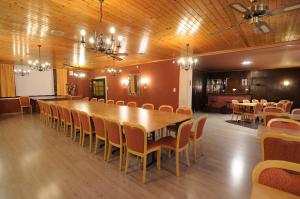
(61, 81)
(7, 81)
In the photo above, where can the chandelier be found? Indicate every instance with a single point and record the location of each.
(22, 71)
(38, 64)
(109, 45)
(113, 71)
(187, 62)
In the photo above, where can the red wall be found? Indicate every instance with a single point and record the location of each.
(163, 77)
(82, 85)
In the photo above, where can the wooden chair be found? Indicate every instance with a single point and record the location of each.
(110, 102)
(55, 116)
(76, 125)
(131, 104)
(185, 111)
(69, 122)
(165, 108)
(288, 106)
(148, 106)
(281, 105)
(86, 99)
(101, 100)
(61, 117)
(86, 128)
(115, 138)
(25, 103)
(281, 176)
(236, 110)
(94, 99)
(246, 101)
(268, 116)
(284, 123)
(254, 101)
(180, 143)
(100, 133)
(271, 109)
(296, 111)
(120, 103)
(280, 147)
(138, 145)
(197, 134)
(41, 108)
(284, 101)
(255, 113)
(49, 116)
(263, 101)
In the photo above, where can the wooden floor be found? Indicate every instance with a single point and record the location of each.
(38, 162)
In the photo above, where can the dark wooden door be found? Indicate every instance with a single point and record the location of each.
(99, 88)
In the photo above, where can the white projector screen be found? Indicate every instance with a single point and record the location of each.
(36, 83)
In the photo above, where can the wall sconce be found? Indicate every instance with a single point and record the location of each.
(286, 83)
(233, 90)
(145, 82)
(124, 82)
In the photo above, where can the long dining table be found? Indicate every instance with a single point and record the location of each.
(152, 120)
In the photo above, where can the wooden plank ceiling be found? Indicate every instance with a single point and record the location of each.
(26, 23)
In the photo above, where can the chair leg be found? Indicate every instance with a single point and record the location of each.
(96, 145)
(144, 169)
(83, 139)
(127, 162)
(105, 149)
(177, 163)
(91, 140)
(22, 110)
(195, 149)
(187, 158)
(121, 158)
(108, 152)
(158, 159)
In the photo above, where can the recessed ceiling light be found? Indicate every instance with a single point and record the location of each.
(247, 62)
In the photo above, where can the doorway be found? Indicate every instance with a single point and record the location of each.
(99, 88)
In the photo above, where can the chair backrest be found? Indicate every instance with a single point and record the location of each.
(296, 111)
(48, 109)
(131, 104)
(68, 116)
(40, 104)
(234, 101)
(283, 101)
(269, 116)
(246, 101)
(148, 106)
(255, 101)
(136, 137)
(258, 108)
(60, 112)
(94, 99)
(86, 98)
(271, 109)
(54, 110)
(288, 106)
(199, 125)
(99, 125)
(281, 105)
(263, 101)
(184, 133)
(184, 110)
(110, 102)
(165, 108)
(101, 100)
(24, 101)
(85, 122)
(280, 147)
(120, 103)
(75, 117)
(284, 123)
(114, 131)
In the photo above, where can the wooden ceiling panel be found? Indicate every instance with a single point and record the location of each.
(26, 23)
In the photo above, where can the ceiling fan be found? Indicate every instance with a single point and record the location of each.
(254, 14)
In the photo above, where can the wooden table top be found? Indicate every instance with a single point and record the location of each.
(263, 192)
(264, 129)
(152, 120)
(48, 97)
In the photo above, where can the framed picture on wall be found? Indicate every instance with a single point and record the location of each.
(244, 82)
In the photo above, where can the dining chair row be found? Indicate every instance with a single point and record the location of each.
(130, 138)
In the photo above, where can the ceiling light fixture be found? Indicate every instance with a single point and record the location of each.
(107, 45)
(113, 71)
(247, 63)
(187, 62)
(21, 71)
(38, 65)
